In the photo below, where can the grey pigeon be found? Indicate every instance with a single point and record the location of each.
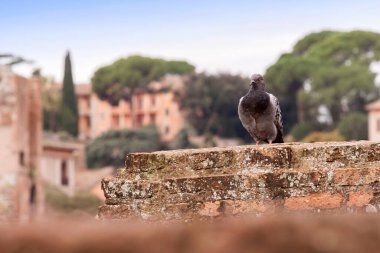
(260, 113)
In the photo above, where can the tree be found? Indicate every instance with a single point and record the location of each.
(211, 102)
(121, 79)
(325, 70)
(68, 111)
(111, 148)
(179, 67)
(14, 60)
(51, 102)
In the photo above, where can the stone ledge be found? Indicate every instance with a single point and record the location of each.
(249, 159)
(182, 184)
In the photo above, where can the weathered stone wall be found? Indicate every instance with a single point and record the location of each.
(20, 146)
(207, 183)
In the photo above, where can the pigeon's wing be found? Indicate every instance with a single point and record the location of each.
(277, 118)
(247, 120)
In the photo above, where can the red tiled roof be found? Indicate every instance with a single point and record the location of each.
(83, 89)
(374, 106)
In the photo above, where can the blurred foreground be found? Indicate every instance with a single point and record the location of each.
(268, 234)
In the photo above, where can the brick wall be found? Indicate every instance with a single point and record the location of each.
(259, 180)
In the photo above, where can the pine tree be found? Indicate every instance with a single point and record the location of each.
(68, 112)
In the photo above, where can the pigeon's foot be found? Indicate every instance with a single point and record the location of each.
(257, 142)
(270, 142)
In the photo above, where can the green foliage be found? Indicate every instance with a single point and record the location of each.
(68, 111)
(335, 66)
(323, 136)
(182, 140)
(121, 78)
(68, 121)
(299, 131)
(179, 67)
(111, 148)
(209, 140)
(60, 201)
(211, 103)
(354, 126)
(51, 101)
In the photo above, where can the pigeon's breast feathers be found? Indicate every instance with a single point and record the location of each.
(256, 102)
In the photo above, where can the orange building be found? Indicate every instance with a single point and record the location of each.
(157, 107)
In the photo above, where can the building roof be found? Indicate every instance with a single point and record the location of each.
(174, 82)
(83, 89)
(54, 142)
(374, 106)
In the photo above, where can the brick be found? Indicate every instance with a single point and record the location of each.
(314, 201)
(347, 177)
(241, 207)
(114, 212)
(359, 199)
(233, 207)
(210, 209)
(356, 176)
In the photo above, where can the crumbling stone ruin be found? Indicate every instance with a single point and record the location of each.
(21, 191)
(202, 184)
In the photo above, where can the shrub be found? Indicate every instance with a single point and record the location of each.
(323, 136)
(354, 126)
(60, 201)
(300, 130)
(111, 148)
(182, 140)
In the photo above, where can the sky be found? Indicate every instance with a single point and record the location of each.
(240, 37)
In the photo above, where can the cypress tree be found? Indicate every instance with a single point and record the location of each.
(68, 112)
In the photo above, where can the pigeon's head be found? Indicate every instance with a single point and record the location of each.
(257, 81)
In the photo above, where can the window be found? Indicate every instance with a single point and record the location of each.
(127, 121)
(115, 121)
(152, 118)
(32, 196)
(139, 103)
(89, 102)
(88, 121)
(167, 130)
(167, 112)
(64, 176)
(153, 100)
(139, 120)
(85, 123)
(21, 158)
(378, 125)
